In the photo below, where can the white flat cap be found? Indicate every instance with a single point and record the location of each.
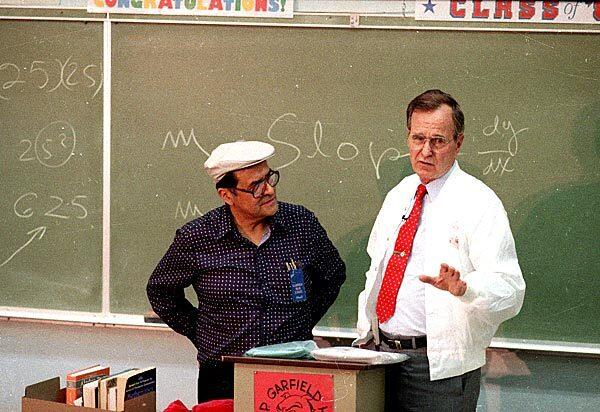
(228, 157)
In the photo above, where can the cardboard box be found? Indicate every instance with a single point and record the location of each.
(48, 396)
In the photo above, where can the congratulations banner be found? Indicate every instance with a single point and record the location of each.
(586, 12)
(234, 8)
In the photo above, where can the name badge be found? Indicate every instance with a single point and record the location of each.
(296, 282)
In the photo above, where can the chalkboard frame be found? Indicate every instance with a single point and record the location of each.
(389, 23)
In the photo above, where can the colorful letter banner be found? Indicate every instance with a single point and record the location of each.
(297, 392)
(583, 12)
(232, 8)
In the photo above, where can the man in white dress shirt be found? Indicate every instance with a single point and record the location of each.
(456, 279)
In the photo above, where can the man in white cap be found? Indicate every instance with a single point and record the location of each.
(242, 259)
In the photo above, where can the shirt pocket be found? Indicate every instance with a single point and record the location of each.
(278, 288)
(451, 247)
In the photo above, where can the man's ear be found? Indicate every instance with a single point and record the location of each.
(459, 141)
(225, 195)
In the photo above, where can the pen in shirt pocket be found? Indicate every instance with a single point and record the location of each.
(292, 265)
(298, 290)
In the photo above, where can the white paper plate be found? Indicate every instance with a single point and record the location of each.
(351, 354)
(345, 353)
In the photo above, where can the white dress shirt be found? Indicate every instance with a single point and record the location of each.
(409, 317)
(467, 228)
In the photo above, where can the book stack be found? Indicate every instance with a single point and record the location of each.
(93, 387)
(77, 379)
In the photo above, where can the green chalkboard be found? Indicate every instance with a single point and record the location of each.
(51, 163)
(332, 102)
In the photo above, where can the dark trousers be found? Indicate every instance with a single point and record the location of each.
(215, 381)
(408, 387)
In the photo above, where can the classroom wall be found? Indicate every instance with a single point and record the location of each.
(512, 381)
(33, 351)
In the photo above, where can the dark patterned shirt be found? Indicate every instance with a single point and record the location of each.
(244, 291)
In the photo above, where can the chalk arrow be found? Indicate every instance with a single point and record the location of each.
(34, 233)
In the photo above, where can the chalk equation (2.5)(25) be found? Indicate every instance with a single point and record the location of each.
(49, 76)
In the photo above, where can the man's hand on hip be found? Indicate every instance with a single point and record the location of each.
(448, 279)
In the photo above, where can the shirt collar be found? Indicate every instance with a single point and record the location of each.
(278, 221)
(435, 186)
(225, 223)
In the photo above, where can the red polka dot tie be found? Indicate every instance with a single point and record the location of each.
(394, 272)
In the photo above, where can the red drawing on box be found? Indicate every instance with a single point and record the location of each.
(293, 392)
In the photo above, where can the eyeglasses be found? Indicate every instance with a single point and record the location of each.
(435, 143)
(258, 188)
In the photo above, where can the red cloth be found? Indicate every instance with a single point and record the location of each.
(176, 406)
(394, 272)
(219, 405)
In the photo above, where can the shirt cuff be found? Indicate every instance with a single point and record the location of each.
(469, 295)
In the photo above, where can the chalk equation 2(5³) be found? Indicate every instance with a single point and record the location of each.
(52, 147)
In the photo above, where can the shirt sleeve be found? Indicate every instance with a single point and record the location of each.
(328, 271)
(166, 287)
(495, 289)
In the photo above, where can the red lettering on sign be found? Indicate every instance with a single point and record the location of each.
(526, 10)
(455, 11)
(284, 391)
(478, 12)
(261, 5)
(215, 4)
(550, 10)
(503, 10)
(597, 10)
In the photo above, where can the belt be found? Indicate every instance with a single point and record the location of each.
(408, 343)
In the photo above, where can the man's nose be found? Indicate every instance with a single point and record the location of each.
(426, 150)
(269, 190)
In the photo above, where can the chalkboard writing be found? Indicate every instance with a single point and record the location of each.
(51, 128)
(334, 110)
